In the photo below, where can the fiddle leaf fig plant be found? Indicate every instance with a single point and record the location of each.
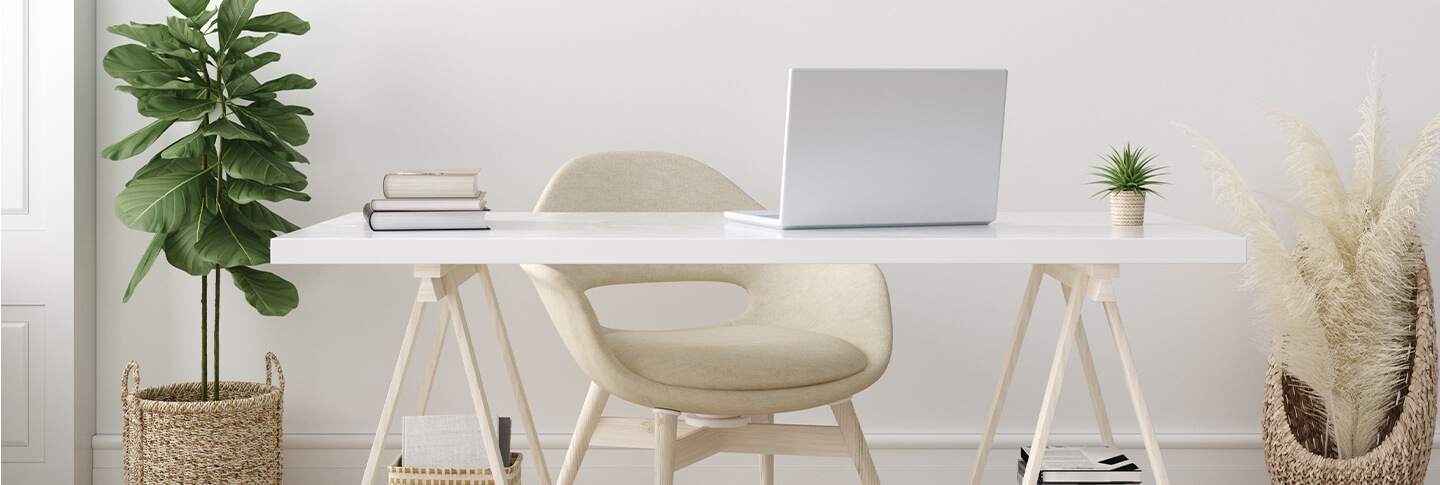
(203, 195)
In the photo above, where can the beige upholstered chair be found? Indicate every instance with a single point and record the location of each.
(813, 335)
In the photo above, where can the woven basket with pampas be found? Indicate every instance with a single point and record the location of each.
(1351, 389)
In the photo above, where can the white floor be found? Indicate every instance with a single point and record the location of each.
(308, 463)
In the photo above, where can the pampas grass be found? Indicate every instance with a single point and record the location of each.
(1337, 306)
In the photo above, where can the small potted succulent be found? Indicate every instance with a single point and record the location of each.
(1127, 176)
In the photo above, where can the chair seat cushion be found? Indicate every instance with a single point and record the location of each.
(736, 357)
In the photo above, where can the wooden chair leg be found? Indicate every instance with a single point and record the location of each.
(767, 462)
(584, 430)
(1017, 339)
(1092, 381)
(1057, 377)
(855, 439)
(666, 426)
(397, 380)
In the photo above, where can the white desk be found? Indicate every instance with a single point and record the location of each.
(1081, 250)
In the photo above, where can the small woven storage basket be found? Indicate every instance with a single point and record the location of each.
(1297, 451)
(400, 475)
(171, 436)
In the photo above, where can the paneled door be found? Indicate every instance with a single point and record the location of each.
(47, 249)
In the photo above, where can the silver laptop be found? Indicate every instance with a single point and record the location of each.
(889, 147)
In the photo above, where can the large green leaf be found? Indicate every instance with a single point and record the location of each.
(146, 261)
(264, 219)
(182, 31)
(284, 83)
(189, 8)
(282, 22)
(160, 204)
(285, 123)
(188, 146)
(154, 36)
(171, 107)
(255, 161)
(271, 295)
(180, 247)
(247, 83)
(248, 43)
(229, 241)
(176, 88)
(136, 65)
(245, 192)
(236, 67)
(159, 165)
(234, 14)
(228, 130)
(138, 141)
(199, 21)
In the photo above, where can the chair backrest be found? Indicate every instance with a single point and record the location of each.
(641, 182)
(846, 301)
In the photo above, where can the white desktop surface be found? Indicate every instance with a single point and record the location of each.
(707, 238)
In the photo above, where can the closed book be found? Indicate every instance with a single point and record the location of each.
(461, 204)
(432, 184)
(425, 220)
(451, 441)
(1082, 465)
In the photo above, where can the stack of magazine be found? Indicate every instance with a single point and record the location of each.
(1075, 465)
(420, 200)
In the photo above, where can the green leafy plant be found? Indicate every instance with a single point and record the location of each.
(1127, 170)
(201, 195)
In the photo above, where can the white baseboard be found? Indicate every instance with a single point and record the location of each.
(1235, 459)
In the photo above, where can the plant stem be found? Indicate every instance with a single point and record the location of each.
(216, 340)
(204, 325)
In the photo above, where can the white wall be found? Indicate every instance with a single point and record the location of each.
(518, 88)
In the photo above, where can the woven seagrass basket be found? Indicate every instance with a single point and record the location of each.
(1297, 450)
(171, 436)
(400, 475)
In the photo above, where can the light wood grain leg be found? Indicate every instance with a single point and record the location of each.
(666, 427)
(1137, 399)
(855, 439)
(397, 379)
(997, 405)
(1092, 381)
(502, 338)
(1073, 304)
(435, 348)
(472, 375)
(767, 462)
(580, 443)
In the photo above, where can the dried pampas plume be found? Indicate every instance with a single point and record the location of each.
(1337, 306)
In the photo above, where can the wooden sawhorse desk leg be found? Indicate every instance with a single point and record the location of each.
(1078, 283)
(441, 283)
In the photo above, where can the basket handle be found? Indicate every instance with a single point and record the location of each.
(271, 359)
(125, 380)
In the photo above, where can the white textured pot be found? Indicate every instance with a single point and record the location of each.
(1127, 208)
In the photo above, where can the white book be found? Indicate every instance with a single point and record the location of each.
(465, 204)
(432, 183)
(443, 441)
(1083, 464)
(425, 220)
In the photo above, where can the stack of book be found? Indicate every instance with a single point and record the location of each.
(427, 200)
(1075, 465)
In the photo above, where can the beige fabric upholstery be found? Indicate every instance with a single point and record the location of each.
(812, 335)
(753, 357)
